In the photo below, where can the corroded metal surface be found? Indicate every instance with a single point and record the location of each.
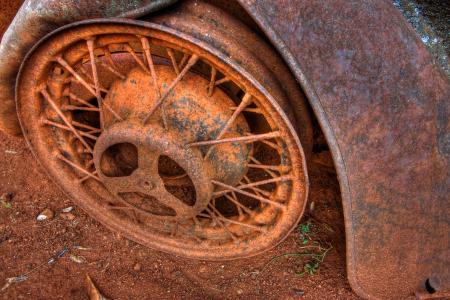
(37, 18)
(112, 107)
(384, 106)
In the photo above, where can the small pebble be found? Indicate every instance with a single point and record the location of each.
(78, 247)
(299, 292)
(77, 259)
(312, 206)
(137, 267)
(239, 291)
(68, 216)
(67, 209)
(46, 214)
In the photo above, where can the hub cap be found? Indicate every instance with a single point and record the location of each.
(161, 139)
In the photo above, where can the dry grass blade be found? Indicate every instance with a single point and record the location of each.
(93, 292)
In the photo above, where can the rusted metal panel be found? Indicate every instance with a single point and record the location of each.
(383, 105)
(37, 18)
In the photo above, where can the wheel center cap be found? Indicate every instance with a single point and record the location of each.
(149, 144)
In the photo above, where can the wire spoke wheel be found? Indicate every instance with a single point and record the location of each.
(160, 138)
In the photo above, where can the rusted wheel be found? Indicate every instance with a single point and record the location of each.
(163, 138)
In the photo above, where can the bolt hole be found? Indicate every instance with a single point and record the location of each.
(119, 160)
(176, 180)
(169, 168)
(429, 287)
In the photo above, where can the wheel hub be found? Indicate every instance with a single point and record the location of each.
(151, 143)
(189, 115)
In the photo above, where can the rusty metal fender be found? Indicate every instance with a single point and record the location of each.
(34, 20)
(384, 106)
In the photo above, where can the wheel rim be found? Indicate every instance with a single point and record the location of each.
(91, 114)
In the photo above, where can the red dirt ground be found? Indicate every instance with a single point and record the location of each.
(26, 243)
(123, 269)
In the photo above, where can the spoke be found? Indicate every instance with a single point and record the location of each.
(257, 191)
(194, 58)
(253, 186)
(223, 80)
(85, 73)
(216, 215)
(183, 60)
(134, 214)
(272, 145)
(90, 45)
(111, 69)
(268, 143)
(128, 206)
(64, 118)
(77, 167)
(73, 107)
(279, 168)
(212, 83)
(173, 60)
(251, 110)
(109, 57)
(94, 131)
(146, 47)
(136, 58)
(62, 126)
(246, 100)
(74, 97)
(148, 55)
(238, 207)
(243, 224)
(83, 82)
(222, 218)
(245, 139)
(77, 76)
(272, 174)
(237, 190)
(238, 204)
(84, 126)
(110, 66)
(87, 177)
